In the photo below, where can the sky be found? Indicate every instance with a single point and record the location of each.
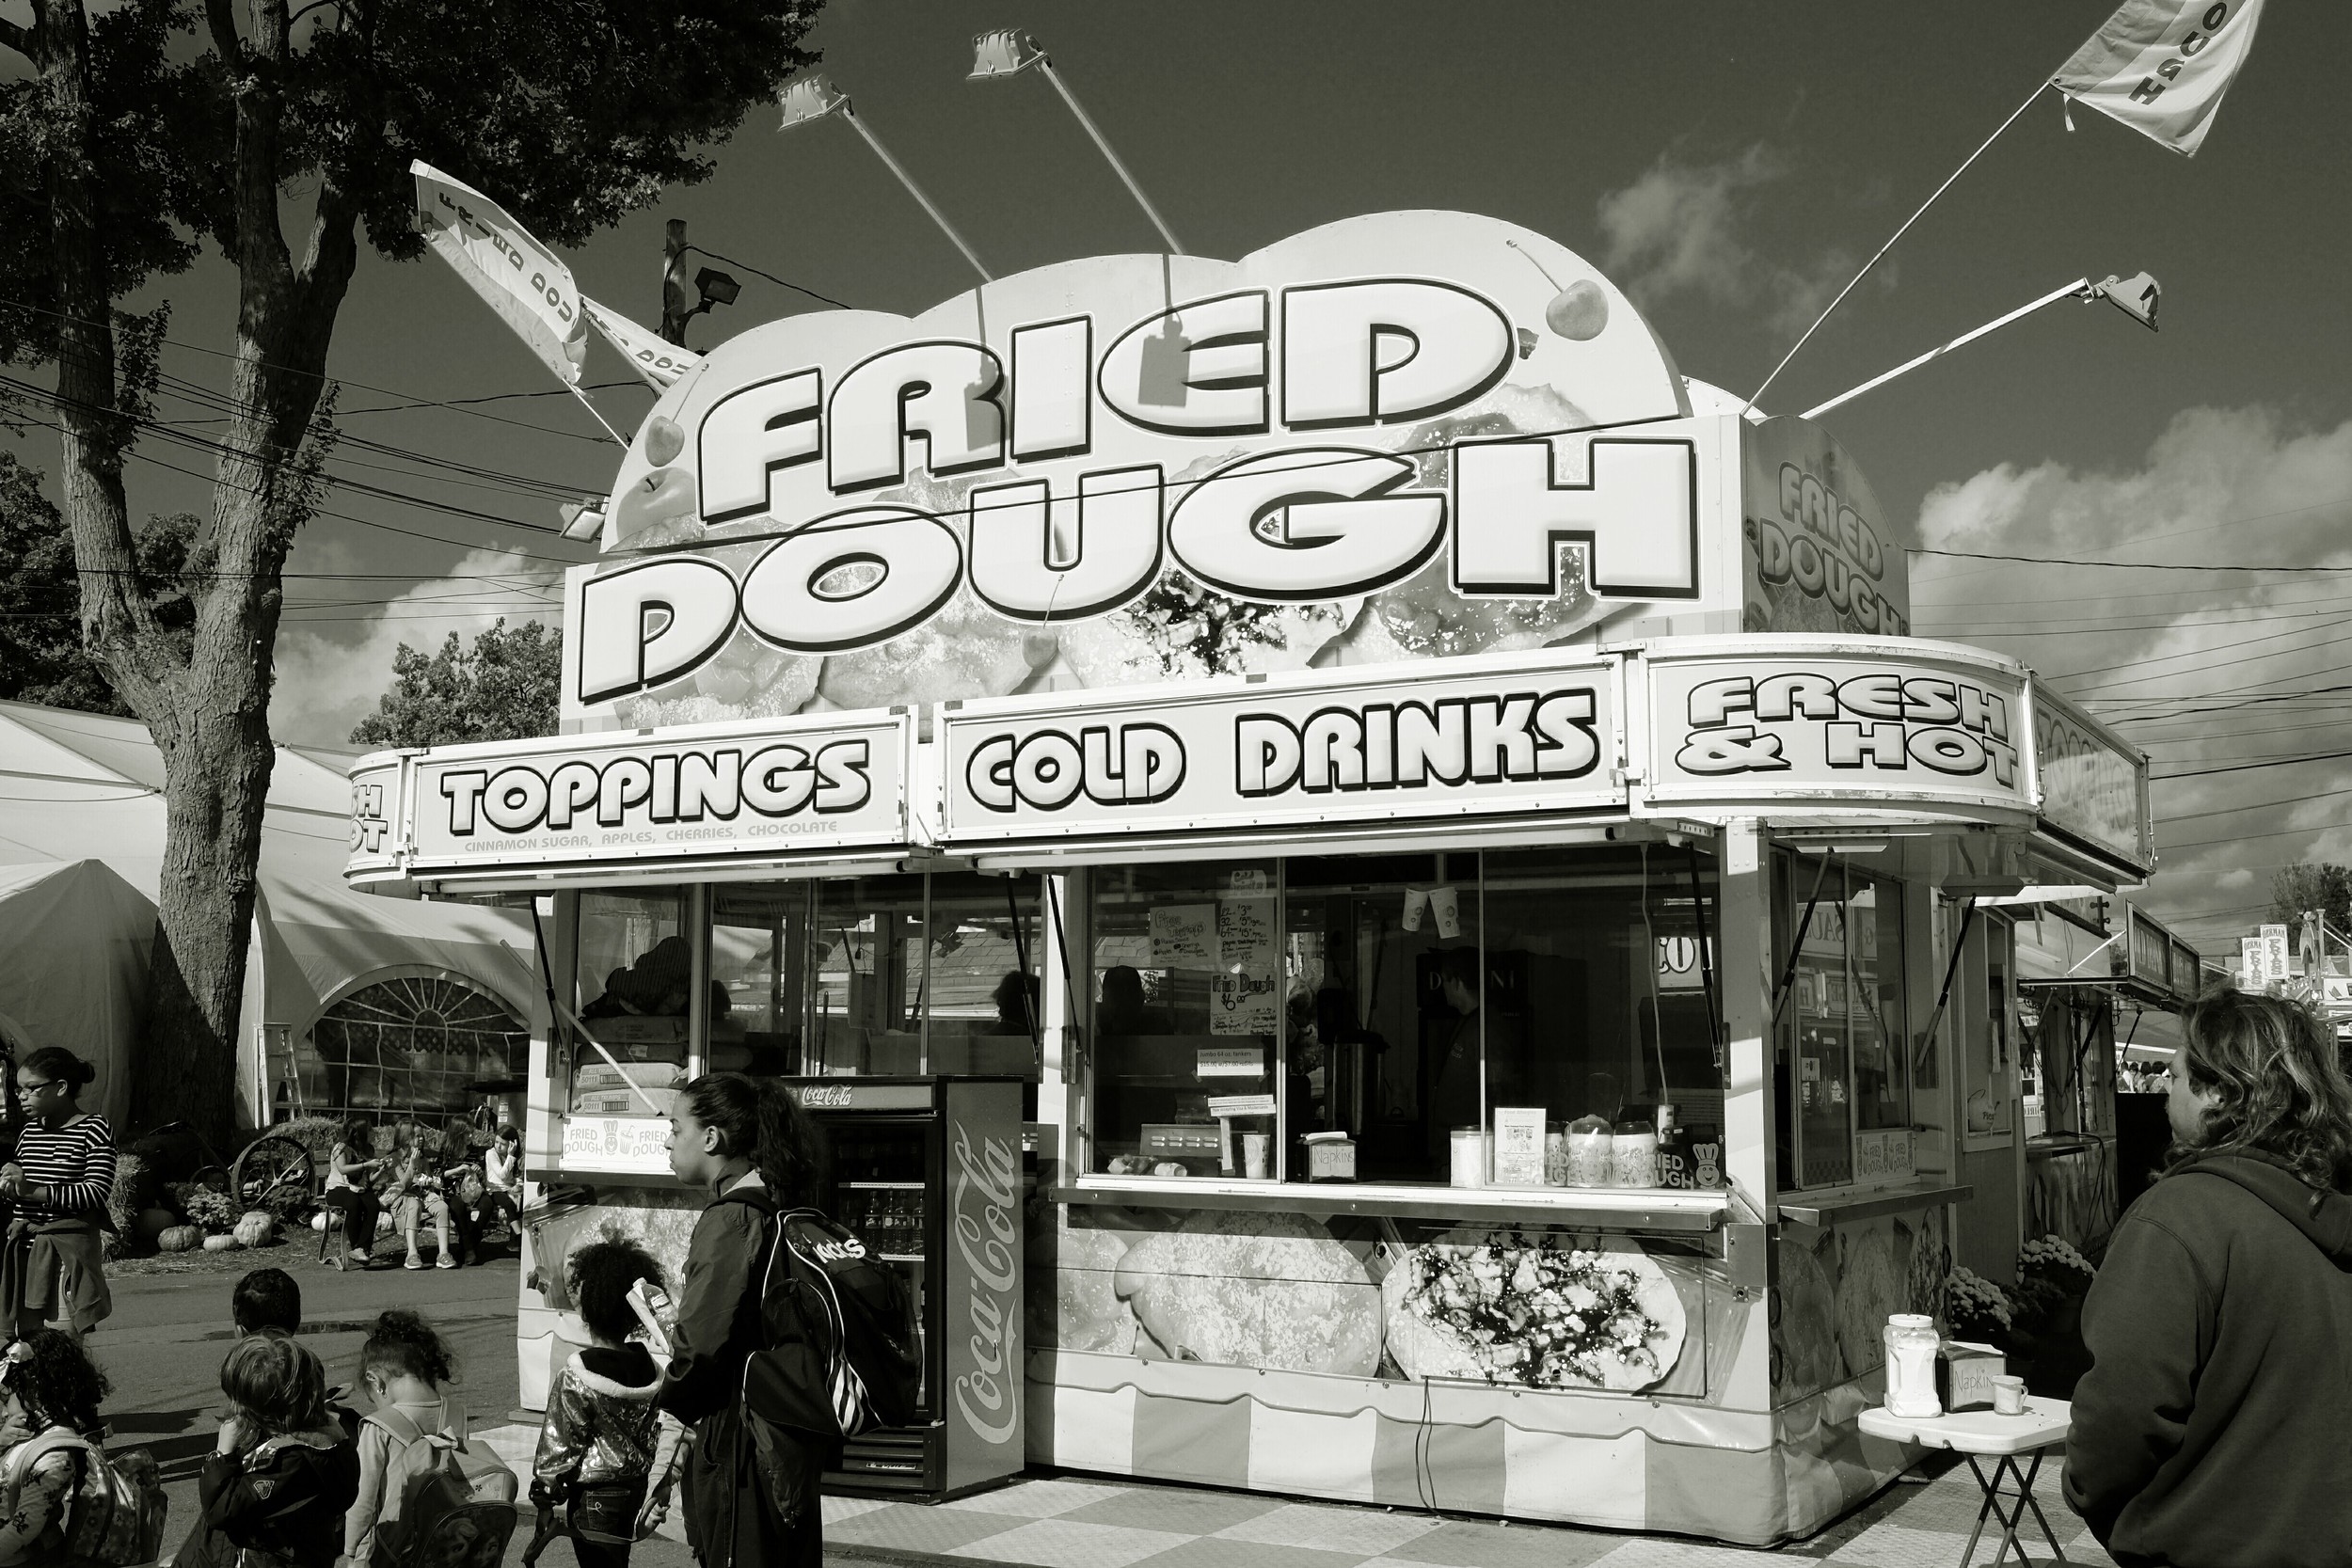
(1728, 163)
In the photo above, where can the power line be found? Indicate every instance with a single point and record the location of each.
(387, 391)
(2119, 565)
(2249, 767)
(348, 517)
(771, 277)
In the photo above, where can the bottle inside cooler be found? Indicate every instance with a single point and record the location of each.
(880, 1191)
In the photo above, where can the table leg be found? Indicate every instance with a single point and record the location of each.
(1969, 1552)
(2011, 1517)
(2057, 1552)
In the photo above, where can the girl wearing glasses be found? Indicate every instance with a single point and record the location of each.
(52, 1268)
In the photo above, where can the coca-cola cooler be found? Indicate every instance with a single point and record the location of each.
(926, 1171)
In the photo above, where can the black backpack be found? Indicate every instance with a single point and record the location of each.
(841, 1352)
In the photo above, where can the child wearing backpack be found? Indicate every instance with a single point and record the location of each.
(275, 1490)
(750, 1485)
(48, 1395)
(598, 1449)
(423, 1495)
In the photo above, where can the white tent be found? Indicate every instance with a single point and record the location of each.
(80, 787)
(74, 939)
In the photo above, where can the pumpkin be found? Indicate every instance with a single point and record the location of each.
(318, 1221)
(255, 1226)
(180, 1238)
(152, 1222)
(221, 1243)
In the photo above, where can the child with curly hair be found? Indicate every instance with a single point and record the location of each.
(403, 1365)
(47, 1386)
(275, 1490)
(601, 1445)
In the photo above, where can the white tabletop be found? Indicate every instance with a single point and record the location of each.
(2043, 1425)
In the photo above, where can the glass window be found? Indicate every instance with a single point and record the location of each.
(980, 1007)
(1378, 1046)
(636, 985)
(1189, 1009)
(1599, 986)
(865, 1014)
(759, 951)
(1413, 998)
(877, 974)
(1841, 1064)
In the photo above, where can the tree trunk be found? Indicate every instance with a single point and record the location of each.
(206, 706)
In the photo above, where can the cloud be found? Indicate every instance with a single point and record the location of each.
(336, 659)
(2206, 670)
(1679, 230)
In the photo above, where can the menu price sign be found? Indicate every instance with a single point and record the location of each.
(631, 1145)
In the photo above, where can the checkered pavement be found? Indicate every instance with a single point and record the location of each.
(1067, 1523)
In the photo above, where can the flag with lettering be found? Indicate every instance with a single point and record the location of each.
(2161, 66)
(524, 281)
(659, 361)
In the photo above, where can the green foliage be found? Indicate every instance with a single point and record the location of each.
(572, 113)
(213, 1210)
(2312, 886)
(502, 689)
(42, 658)
(1976, 1309)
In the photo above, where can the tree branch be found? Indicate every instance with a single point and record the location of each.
(17, 36)
(222, 16)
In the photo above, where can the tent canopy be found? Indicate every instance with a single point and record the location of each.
(76, 938)
(87, 787)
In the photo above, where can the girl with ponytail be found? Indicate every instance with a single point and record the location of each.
(751, 1487)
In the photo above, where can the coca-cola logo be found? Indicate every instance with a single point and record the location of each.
(985, 1187)
(824, 1097)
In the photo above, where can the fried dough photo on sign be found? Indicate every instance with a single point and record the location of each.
(1805, 1323)
(1082, 1309)
(1446, 1326)
(1274, 1292)
(1870, 1288)
(1926, 1264)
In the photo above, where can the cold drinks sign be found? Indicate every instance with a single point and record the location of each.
(1411, 435)
(1536, 732)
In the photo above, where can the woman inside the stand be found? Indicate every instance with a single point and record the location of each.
(2209, 1430)
(751, 1486)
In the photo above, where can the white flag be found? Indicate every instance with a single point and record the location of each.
(659, 361)
(2161, 66)
(524, 281)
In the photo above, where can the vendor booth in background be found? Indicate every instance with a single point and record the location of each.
(352, 1005)
(2100, 980)
(1442, 816)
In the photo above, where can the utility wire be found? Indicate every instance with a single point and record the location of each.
(771, 277)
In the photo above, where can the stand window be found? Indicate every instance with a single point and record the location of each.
(1841, 1059)
(1411, 999)
(1189, 1009)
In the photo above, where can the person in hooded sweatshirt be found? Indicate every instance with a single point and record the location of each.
(597, 1451)
(2209, 1432)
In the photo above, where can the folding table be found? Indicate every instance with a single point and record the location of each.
(1980, 1432)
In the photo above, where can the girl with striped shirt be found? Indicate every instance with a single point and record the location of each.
(51, 1266)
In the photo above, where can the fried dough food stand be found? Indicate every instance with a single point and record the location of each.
(1446, 814)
